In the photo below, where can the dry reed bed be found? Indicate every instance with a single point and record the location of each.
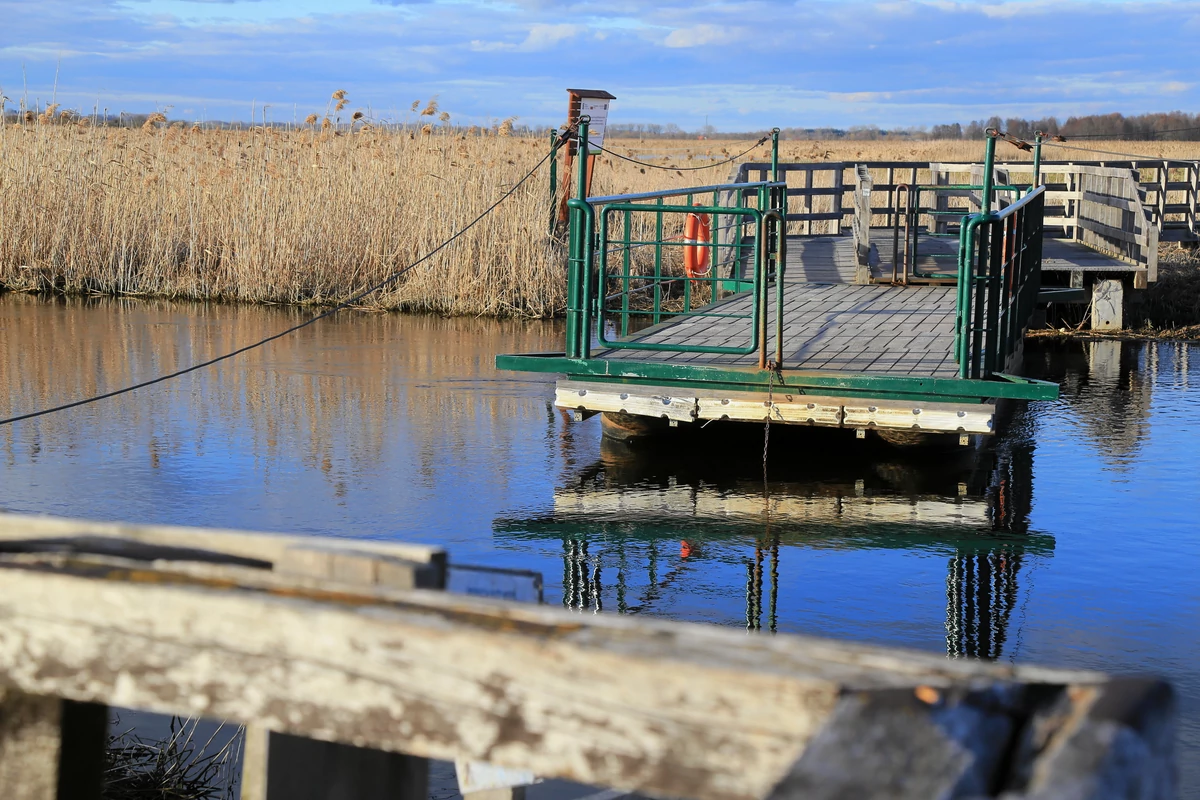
(300, 217)
(312, 216)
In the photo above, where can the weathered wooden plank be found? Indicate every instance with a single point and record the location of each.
(448, 677)
(266, 547)
(930, 417)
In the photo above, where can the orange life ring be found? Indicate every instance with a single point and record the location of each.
(696, 233)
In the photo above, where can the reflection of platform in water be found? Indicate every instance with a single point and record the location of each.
(659, 521)
(852, 507)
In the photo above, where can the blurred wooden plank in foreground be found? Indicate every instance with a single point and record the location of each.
(303, 637)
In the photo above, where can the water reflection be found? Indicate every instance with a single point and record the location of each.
(1108, 385)
(666, 517)
(1067, 543)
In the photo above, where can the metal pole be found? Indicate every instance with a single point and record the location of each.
(581, 167)
(774, 155)
(581, 249)
(1037, 159)
(553, 174)
(989, 162)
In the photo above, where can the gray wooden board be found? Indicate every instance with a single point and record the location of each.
(843, 327)
(1057, 255)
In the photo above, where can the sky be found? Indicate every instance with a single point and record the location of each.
(737, 65)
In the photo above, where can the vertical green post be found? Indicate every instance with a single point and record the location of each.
(658, 272)
(989, 166)
(626, 265)
(578, 269)
(1037, 159)
(581, 161)
(687, 283)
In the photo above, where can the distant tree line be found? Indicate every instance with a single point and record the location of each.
(1173, 125)
(1176, 125)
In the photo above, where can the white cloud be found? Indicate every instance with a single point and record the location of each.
(544, 37)
(699, 35)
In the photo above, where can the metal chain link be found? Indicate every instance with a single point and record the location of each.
(767, 427)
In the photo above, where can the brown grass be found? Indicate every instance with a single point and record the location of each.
(313, 215)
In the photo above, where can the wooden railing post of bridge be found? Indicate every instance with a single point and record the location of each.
(361, 667)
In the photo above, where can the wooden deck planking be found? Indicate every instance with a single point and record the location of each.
(1058, 255)
(827, 326)
(831, 259)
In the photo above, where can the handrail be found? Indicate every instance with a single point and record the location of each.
(1016, 206)
(602, 276)
(997, 284)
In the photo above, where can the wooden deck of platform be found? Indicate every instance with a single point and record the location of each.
(827, 326)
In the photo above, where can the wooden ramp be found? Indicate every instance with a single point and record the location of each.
(936, 253)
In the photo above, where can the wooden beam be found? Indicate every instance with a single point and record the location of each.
(680, 710)
(268, 547)
(660, 707)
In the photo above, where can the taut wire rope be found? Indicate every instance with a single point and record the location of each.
(731, 159)
(1130, 156)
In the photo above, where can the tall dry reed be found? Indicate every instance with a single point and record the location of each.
(314, 215)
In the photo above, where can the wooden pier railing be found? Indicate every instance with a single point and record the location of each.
(351, 667)
(822, 201)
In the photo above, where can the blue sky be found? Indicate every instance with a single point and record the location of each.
(742, 65)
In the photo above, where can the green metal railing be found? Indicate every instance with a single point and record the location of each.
(624, 278)
(999, 274)
(906, 233)
(624, 263)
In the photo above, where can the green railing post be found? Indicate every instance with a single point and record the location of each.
(579, 261)
(989, 166)
(626, 266)
(658, 263)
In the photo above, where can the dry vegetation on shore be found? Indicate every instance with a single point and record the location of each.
(311, 216)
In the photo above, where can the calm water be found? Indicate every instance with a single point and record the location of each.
(1072, 542)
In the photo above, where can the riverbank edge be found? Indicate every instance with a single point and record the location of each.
(312, 305)
(1190, 333)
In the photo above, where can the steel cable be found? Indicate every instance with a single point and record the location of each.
(1133, 136)
(729, 160)
(1130, 156)
(395, 276)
